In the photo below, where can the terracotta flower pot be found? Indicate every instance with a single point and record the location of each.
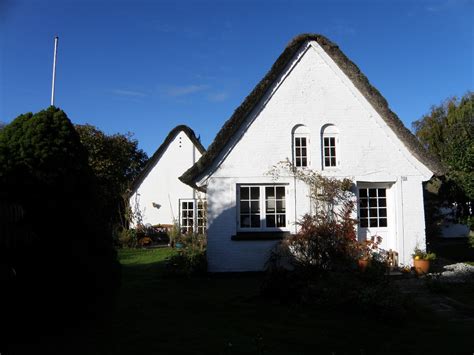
(363, 263)
(421, 266)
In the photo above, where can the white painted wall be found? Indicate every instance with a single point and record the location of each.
(313, 92)
(162, 185)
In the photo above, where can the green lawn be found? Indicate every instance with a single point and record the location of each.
(157, 314)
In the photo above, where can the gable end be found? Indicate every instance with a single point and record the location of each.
(360, 81)
(161, 149)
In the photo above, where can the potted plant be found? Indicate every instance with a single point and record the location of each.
(367, 248)
(421, 261)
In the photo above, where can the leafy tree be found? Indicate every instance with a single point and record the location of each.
(448, 133)
(116, 161)
(53, 244)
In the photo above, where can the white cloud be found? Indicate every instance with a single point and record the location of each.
(184, 90)
(218, 97)
(129, 93)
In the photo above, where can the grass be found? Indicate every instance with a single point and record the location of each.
(223, 314)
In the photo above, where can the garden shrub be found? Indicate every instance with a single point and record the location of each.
(191, 257)
(318, 265)
(57, 244)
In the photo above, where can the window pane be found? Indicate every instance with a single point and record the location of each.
(383, 222)
(270, 221)
(373, 202)
(298, 161)
(333, 152)
(184, 205)
(362, 192)
(383, 212)
(363, 213)
(333, 161)
(255, 193)
(297, 141)
(280, 205)
(244, 221)
(373, 222)
(326, 152)
(270, 205)
(255, 221)
(326, 162)
(373, 192)
(326, 142)
(382, 202)
(281, 220)
(364, 223)
(280, 192)
(304, 162)
(363, 202)
(270, 191)
(373, 212)
(244, 207)
(303, 152)
(303, 142)
(332, 141)
(244, 193)
(255, 206)
(183, 214)
(381, 192)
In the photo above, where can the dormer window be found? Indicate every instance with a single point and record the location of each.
(330, 141)
(301, 140)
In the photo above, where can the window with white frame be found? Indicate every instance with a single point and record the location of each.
(262, 207)
(201, 216)
(330, 140)
(301, 146)
(187, 216)
(193, 216)
(372, 207)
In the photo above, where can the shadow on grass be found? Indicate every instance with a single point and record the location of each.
(224, 314)
(453, 249)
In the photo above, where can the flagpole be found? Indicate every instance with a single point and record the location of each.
(56, 39)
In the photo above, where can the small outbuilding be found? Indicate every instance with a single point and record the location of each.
(158, 197)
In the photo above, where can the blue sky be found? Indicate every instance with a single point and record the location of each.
(147, 66)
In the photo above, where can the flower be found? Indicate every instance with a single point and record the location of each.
(369, 247)
(419, 254)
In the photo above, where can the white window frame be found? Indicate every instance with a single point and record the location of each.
(201, 215)
(330, 131)
(195, 217)
(377, 206)
(262, 209)
(295, 150)
(330, 156)
(298, 132)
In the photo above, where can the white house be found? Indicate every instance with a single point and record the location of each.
(317, 109)
(158, 197)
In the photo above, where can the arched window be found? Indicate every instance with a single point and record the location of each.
(330, 146)
(301, 140)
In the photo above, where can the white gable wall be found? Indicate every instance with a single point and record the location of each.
(162, 186)
(314, 92)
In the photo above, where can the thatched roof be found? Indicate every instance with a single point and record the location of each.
(162, 148)
(351, 70)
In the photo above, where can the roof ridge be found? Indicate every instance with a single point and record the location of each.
(162, 148)
(349, 68)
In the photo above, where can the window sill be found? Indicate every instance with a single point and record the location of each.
(276, 235)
